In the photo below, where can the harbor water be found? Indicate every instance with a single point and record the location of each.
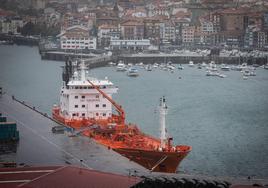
(224, 119)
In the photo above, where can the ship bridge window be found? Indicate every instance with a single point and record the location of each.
(97, 114)
(76, 97)
(74, 114)
(85, 87)
(83, 114)
(97, 105)
(76, 87)
(97, 96)
(104, 114)
(76, 106)
(104, 105)
(81, 87)
(83, 106)
(83, 96)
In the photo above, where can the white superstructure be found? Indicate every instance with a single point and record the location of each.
(80, 100)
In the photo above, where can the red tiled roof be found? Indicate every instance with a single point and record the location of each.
(62, 176)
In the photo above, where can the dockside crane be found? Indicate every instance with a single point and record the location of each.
(118, 107)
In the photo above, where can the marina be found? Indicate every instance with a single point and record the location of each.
(220, 116)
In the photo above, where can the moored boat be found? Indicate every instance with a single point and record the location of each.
(133, 72)
(149, 67)
(191, 64)
(265, 66)
(86, 106)
(225, 67)
(121, 67)
(180, 67)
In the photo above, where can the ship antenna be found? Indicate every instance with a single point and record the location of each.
(162, 119)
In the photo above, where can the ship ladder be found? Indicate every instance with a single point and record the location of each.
(159, 162)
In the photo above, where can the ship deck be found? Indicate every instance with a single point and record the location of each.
(39, 146)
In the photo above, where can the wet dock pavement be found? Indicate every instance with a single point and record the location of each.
(38, 146)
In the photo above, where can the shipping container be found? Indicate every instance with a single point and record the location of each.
(3, 119)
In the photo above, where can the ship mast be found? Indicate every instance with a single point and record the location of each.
(162, 119)
(83, 71)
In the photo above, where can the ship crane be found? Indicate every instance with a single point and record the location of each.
(118, 107)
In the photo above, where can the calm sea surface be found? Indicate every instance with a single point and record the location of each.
(225, 120)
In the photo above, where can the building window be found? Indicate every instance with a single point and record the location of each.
(83, 97)
(76, 97)
(97, 105)
(104, 105)
(83, 114)
(76, 106)
(97, 114)
(97, 96)
(83, 106)
(104, 114)
(74, 114)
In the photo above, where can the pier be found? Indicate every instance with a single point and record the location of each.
(99, 60)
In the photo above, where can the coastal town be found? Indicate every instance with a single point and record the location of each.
(134, 93)
(138, 25)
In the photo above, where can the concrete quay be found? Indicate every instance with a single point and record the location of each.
(98, 60)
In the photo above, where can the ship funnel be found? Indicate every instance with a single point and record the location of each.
(162, 120)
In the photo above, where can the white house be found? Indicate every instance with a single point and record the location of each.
(133, 44)
(77, 37)
(11, 25)
(107, 33)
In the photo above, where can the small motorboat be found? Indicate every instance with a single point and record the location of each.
(133, 72)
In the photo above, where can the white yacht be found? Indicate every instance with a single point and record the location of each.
(121, 67)
(225, 67)
(111, 63)
(149, 67)
(212, 66)
(133, 72)
(212, 73)
(155, 65)
(191, 64)
(265, 66)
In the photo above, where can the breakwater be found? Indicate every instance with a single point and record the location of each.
(152, 58)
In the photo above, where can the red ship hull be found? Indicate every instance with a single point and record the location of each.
(130, 142)
(155, 161)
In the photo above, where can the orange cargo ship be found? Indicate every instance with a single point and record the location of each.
(86, 105)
